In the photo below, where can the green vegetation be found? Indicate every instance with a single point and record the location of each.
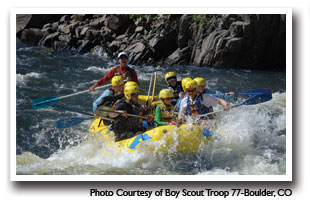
(203, 18)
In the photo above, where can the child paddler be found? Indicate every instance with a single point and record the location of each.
(182, 95)
(174, 85)
(164, 111)
(202, 84)
(125, 126)
(193, 105)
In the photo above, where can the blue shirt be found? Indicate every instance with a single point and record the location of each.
(106, 92)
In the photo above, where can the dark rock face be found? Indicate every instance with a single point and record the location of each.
(232, 41)
(34, 21)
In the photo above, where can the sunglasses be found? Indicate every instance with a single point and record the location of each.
(135, 94)
(191, 91)
(168, 98)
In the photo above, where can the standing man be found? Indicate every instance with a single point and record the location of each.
(127, 73)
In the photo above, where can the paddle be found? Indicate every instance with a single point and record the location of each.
(103, 109)
(149, 91)
(69, 122)
(154, 86)
(252, 92)
(49, 100)
(250, 101)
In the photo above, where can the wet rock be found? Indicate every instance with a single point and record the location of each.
(83, 31)
(115, 45)
(118, 23)
(61, 46)
(34, 21)
(179, 56)
(64, 19)
(184, 31)
(139, 29)
(163, 44)
(49, 40)
(85, 46)
(97, 23)
(32, 35)
(234, 41)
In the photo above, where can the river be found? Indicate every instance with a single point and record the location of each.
(253, 140)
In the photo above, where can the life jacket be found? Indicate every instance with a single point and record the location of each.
(195, 107)
(127, 73)
(166, 112)
(132, 122)
(176, 89)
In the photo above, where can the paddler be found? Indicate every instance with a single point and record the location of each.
(164, 111)
(110, 96)
(202, 84)
(182, 95)
(127, 126)
(174, 85)
(193, 104)
(127, 73)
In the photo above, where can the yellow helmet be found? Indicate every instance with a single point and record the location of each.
(130, 83)
(128, 90)
(184, 82)
(170, 75)
(191, 84)
(117, 81)
(200, 81)
(165, 93)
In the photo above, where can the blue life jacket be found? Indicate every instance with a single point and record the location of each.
(195, 107)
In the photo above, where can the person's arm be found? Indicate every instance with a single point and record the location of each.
(182, 108)
(158, 117)
(103, 80)
(134, 76)
(224, 104)
(99, 101)
(119, 108)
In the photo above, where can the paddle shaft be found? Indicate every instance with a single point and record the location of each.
(82, 92)
(69, 122)
(150, 86)
(154, 86)
(130, 115)
(250, 101)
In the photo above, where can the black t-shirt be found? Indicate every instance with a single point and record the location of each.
(110, 100)
(126, 127)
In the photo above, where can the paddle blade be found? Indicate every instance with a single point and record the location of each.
(254, 92)
(69, 122)
(257, 99)
(43, 102)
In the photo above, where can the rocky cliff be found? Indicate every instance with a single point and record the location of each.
(229, 41)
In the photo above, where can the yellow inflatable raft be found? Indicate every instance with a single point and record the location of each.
(185, 138)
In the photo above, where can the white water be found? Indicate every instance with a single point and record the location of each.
(252, 142)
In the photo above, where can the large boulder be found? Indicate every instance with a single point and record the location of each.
(32, 35)
(163, 44)
(49, 40)
(34, 21)
(184, 31)
(179, 57)
(249, 42)
(118, 23)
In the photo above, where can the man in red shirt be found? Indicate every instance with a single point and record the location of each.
(125, 71)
